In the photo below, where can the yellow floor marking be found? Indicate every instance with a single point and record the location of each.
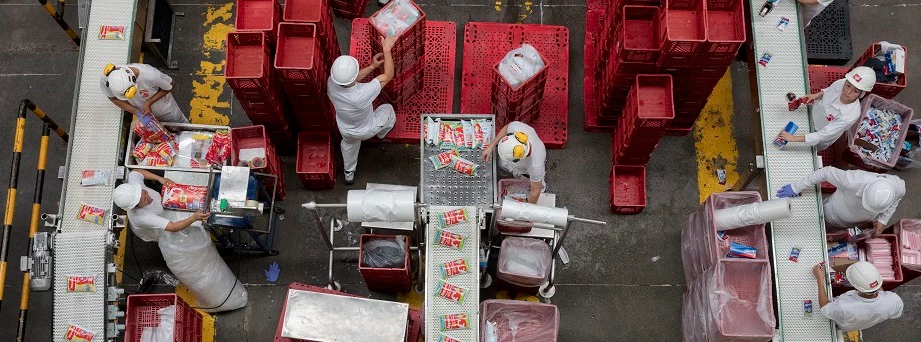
(413, 298)
(208, 87)
(207, 321)
(525, 11)
(716, 147)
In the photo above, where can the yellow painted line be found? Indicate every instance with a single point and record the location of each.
(716, 147)
(208, 86)
(207, 321)
(413, 298)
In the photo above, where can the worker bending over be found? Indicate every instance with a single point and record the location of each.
(145, 209)
(837, 108)
(141, 88)
(522, 154)
(861, 196)
(861, 308)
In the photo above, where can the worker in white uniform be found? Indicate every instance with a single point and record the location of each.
(861, 196)
(837, 108)
(522, 154)
(861, 308)
(145, 211)
(353, 102)
(142, 88)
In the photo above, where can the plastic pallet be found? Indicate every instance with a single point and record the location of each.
(593, 22)
(487, 43)
(437, 94)
(828, 38)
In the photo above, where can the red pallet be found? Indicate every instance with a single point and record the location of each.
(437, 94)
(258, 15)
(349, 9)
(299, 58)
(385, 279)
(315, 165)
(725, 27)
(885, 90)
(487, 43)
(820, 76)
(683, 29)
(317, 12)
(628, 189)
(143, 311)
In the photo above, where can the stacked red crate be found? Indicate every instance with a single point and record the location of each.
(317, 12)
(408, 54)
(302, 68)
(521, 103)
(648, 113)
(258, 16)
(255, 137)
(634, 51)
(254, 83)
(349, 9)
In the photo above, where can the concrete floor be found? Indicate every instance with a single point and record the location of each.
(625, 281)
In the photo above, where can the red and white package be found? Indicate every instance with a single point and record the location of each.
(150, 130)
(91, 214)
(219, 149)
(78, 334)
(184, 196)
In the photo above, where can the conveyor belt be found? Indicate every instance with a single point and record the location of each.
(435, 256)
(786, 72)
(96, 130)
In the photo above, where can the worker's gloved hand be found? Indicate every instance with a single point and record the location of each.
(787, 191)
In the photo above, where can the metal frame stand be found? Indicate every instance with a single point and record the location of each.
(264, 239)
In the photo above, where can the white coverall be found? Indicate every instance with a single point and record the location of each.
(149, 82)
(356, 119)
(830, 117)
(853, 312)
(533, 164)
(147, 222)
(845, 208)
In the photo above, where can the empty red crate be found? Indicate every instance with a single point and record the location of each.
(258, 15)
(143, 311)
(628, 189)
(683, 28)
(298, 57)
(887, 90)
(315, 166)
(637, 37)
(649, 105)
(317, 12)
(398, 279)
(725, 27)
(349, 9)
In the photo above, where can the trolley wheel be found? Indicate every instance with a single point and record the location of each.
(547, 292)
(273, 252)
(420, 287)
(335, 286)
(485, 281)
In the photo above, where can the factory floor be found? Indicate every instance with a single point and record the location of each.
(625, 280)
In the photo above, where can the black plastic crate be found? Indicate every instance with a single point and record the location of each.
(828, 38)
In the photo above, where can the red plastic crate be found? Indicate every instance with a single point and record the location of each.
(821, 76)
(385, 279)
(628, 189)
(591, 99)
(885, 90)
(487, 43)
(437, 94)
(711, 60)
(315, 165)
(298, 56)
(649, 105)
(258, 15)
(683, 28)
(349, 9)
(252, 137)
(637, 37)
(413, 38)
(317, 12)
(250, 76)
(404, 86)
(725, 27)
(521, 103)
(142, 311)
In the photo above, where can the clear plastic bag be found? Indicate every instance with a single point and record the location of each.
(520, 65)
(384, 253)
(396, 17)
(518, 321)
(192, 258)
(164, 331)
(524, 261)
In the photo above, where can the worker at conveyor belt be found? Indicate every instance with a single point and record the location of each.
(861, 308)
(145, 211)
(835, 109)
(141, 87)
(353, 102)
(522, 154)
(861, 196)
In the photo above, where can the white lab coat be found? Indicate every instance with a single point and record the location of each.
(831, 118)
(534, 164)
(852, 312)
(845, 208)
(356, 119)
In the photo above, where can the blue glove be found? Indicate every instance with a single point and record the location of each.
(787, 191)
(271, 275)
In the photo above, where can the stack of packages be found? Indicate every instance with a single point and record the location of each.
(693, 41)
(249, 71)
(879, 253)
(875, 143)
(453, 136)
(888, 60)
(405, 20)
(647, 115)
(729, 296)
(910, 236)
(253, 148)
(518, 85)
(512, 320)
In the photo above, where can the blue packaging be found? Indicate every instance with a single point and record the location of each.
(791, 128)
(738, 250)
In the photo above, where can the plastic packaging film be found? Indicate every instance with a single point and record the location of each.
(518, 211)
(381, 206)
(753, 214)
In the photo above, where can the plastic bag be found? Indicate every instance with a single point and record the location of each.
(219, 150)
(524, 261)
(164, 331)
(511, 320)
(150, 130)
(192, 149)
(384, 253)
(184, 196)
(520, 65)
(396, 17)
(192, 258)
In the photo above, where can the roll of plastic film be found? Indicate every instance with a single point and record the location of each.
(519, 211)
(381, 206)
(753, 214)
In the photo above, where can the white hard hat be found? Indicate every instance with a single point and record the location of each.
(864, 277)
(862, 78)
(121, 80)
(878, 195)
(127, 196)
(514, 146)
(344, 70)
